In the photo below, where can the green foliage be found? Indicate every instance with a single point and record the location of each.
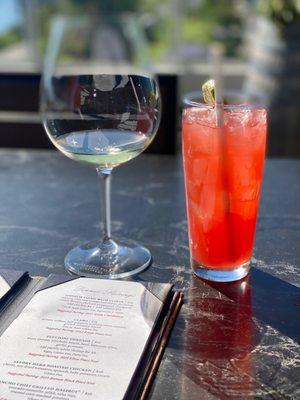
(10, 37)
(282, 12)
(203, 22)
(77, 7)
(198, 30)
(43, 15)
(160, 38)
(96, 6)
(200, 22)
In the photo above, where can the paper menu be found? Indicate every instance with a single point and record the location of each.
(81, 339)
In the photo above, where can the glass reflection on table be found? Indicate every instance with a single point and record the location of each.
(219, 337)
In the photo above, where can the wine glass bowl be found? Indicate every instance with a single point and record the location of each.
(101, 108)
(102, 120)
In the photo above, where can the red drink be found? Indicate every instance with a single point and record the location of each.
(223, 173)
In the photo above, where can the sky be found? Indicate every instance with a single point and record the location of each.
(10, 14)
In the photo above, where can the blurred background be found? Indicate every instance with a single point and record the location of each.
(261, 40)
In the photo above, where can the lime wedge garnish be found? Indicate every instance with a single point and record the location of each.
(208, 91)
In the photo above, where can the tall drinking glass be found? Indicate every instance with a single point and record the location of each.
(223, 168)
(100, 107)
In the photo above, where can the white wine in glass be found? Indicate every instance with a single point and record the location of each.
(103, 114)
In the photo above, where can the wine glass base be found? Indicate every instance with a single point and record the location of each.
(108, 260)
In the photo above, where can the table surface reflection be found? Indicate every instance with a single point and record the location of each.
(230, 341)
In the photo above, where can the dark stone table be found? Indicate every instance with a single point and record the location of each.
(231, 341)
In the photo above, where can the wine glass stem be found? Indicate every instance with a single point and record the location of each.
(104, 177)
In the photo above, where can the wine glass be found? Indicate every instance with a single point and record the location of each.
(100, 107)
